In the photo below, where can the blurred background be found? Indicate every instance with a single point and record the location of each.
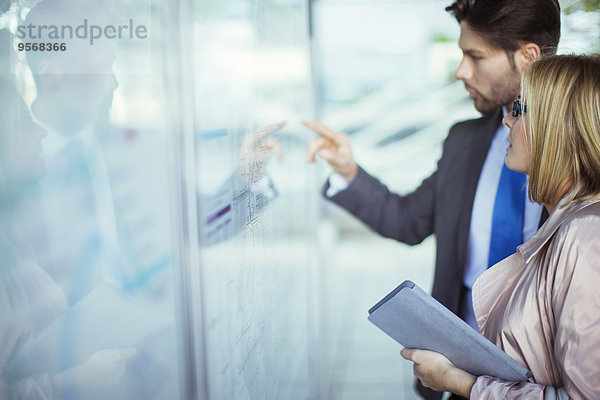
(174, 242)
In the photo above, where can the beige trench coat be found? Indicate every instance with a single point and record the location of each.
(542, 306)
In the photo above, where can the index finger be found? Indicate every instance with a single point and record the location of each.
(324, 131)
(266, 131)
(271, 128)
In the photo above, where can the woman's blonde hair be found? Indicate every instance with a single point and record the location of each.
(562, 94)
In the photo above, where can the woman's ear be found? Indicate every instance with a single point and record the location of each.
(527, 53)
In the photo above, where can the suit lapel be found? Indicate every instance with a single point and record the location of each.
(480, 141)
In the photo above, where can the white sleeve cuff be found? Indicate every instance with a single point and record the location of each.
(337, 183)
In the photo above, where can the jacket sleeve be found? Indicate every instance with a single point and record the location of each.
(488, 387)
(408, 219)
(575, 304)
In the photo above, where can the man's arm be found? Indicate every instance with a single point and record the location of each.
(405, 218)
(408, 219)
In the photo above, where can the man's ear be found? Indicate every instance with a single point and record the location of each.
(527, 53)
(48, 74)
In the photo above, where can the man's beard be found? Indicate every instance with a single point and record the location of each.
(503, 92)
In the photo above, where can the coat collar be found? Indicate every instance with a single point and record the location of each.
(561, 214)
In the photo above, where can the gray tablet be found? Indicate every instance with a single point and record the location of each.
(416, 320)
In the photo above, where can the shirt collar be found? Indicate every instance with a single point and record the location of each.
(561, 213)
(503, 131)
(55, 141)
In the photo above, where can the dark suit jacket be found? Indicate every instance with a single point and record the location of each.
(440, 206)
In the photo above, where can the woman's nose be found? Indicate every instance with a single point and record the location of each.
(508, 120)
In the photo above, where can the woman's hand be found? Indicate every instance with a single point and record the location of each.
(437, 372)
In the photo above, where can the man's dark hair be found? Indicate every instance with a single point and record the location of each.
(508, 24)
(65, 12)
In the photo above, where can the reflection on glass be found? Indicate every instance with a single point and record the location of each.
(251, 64)
(87, 256)
(92, 287)
(29, 298)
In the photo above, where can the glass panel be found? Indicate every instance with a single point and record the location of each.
(252, 75)
(87, 297)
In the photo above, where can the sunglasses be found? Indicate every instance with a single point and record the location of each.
(518, 109)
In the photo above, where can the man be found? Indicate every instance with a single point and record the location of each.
(476, 208)
(74, 89)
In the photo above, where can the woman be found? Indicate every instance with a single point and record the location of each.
(29, 298)
(546, 312)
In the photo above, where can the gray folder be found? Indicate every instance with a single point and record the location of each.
(416, 320)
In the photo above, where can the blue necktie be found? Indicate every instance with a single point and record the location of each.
(507, 219)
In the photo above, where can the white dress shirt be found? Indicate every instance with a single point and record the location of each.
(101, 205)
(480, 229)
